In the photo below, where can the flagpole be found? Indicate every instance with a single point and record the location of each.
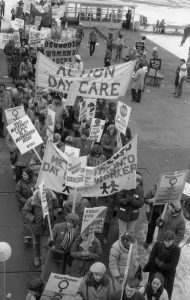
(37, 155)
(49, 224)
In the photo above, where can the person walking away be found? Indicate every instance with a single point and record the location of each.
(96, 285)
(182, 77)
(185, 35)
(119, 47)
(154, 289)
(107, 58)
(138, 83)
(92, 41)
(130, 291)
(162, 26)
(110, 43)
(2, 8)
(164, 258)
(24, 190)
(157, 26)
(128, 19)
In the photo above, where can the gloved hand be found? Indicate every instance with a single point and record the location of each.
(158, 262)
(159, 222)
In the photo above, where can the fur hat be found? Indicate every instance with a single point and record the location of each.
(56, 138)
(112, 126)
(72, 217)
(98, 267)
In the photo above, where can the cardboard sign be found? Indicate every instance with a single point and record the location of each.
(155, 63)
(116, 174)
(60, 285)
(108, 83)
(43, 199)
(17, 24)
(53, 169)
(34, 38)
(15, 113)
(24, 134)
(170, 187)
(76, 171)
(83, 110)
(87, 109)
(16, 38)
(4, 38)
(122, 117)
(96, 129)
(27, 6)
(68, 34)
(60, 52)
(50, 120)
(93, 219)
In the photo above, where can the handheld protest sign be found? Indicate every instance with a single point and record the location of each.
(96, 130)
(50, 124)
(44, 204)
(170, 187)
(76, 171)
(155, 63)
(24, 134)
(60, 52)
(59, 285)
(93, 219)
(122, 117)
(15, 113)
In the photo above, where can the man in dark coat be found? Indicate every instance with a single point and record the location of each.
(163, 259)
(185, 34)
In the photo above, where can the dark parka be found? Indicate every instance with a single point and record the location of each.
(131, 201)
(24, 190)
(163, 260)
(32, 211)
(80, 265)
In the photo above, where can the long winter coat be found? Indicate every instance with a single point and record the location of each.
(168, 258)
(138, 83)
(129, 203)
(80, 265)
(24, 190)
(32, 211)
(103, 292)
(174, 223)
(118, 259)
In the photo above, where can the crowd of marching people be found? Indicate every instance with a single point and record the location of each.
(68, 251)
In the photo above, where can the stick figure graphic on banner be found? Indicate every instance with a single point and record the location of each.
(113, 187)
(66, 189)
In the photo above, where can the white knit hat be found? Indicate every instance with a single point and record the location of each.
(98, 267)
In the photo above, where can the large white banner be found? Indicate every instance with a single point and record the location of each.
(61, 285)
(122, 117)
(4, 38)
(15, 113)
(170, 187)
(116, 174)
(60, 52)
(53, 169)
(24, 134)
(108, 83)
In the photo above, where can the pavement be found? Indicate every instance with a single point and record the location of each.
(163, 128)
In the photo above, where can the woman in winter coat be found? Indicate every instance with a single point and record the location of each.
(85, 251)
(155, 288)
(173, 220)
(109, 141)
(83, 143)
(96, 156)
(129, 202)
(97, 285)
(118, 259)
(59, 253)
(32, 211)
(35, 289)
(164, 258)
(24, 190)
